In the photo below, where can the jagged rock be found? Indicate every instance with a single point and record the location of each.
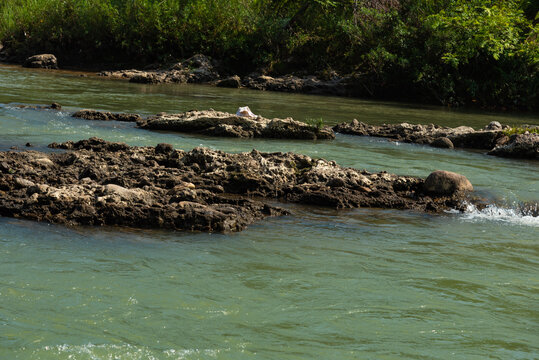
(491, 138)
(291, 83)
(217, 123)
(102, 183)
(106, 116)
(442, 182)
(519, 146)
(230, 82)
(44, 61)
(197, 69)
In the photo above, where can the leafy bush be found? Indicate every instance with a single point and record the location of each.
(452, 52)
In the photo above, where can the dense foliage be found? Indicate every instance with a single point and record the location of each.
(449, 51)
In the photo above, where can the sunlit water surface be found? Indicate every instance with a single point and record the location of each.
(319, 284)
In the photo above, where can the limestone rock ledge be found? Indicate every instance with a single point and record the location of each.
(104, 183)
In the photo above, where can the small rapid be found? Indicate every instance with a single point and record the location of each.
(518, 214)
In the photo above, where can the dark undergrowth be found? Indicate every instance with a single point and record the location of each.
(452, 52)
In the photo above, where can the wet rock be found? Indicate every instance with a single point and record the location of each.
(519, 146)
(44, 61)
(197, 69)
(442, 142)
(230, 82)
(53, 106)
(442, 182)
(291, 83)
(217, 123)
(103, 183)
(485, 140)
(88, 114)
(146, 78)
(491, 138)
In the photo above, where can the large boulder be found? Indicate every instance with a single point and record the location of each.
(43, 61)
(519, 146)
(442, 182)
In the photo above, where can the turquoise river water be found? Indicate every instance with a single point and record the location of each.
(318, 284)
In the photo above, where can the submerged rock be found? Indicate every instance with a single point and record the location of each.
(44, 61)
(103, 183)
(106, 116)
(218, 123)
(53, 106)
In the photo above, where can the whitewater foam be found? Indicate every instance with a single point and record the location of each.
(515, 216)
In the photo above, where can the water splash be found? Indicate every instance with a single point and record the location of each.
(519, 214)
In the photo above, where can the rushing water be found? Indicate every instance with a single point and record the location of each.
(319, 284)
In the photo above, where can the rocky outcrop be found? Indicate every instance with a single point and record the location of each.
(43, 61)
(201, 69)
(196, 69)
(442, 182)
(230, 82)
(104, 183)
(493, 137)
(88, 114)
(519, 146)
(218, 123)
(291, 83)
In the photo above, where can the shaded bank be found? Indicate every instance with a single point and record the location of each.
(104, 183)
(448, 52)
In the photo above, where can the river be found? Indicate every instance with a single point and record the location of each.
(318, 284)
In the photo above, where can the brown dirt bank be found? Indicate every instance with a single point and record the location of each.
(103, 183)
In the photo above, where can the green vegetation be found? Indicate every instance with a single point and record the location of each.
(453, 52)
(316, 123)
(521, 130)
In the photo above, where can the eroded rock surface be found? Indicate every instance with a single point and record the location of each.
(218, 123)
(106, 116)
(519, 146)
(492, 137)
(291, 83)
(104, 183)
(196, 69)
(44, 61)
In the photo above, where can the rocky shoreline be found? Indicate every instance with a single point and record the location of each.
(200, 69)
(493, 137)
(97, 182)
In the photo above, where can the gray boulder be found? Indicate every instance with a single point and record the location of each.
(519, 146)
(43, 61)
